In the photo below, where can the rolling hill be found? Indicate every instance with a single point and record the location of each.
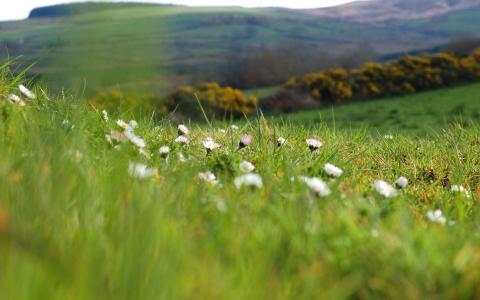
(89, 47)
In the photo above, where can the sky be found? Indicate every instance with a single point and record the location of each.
(19, 9)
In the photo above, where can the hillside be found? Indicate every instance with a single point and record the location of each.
(373, 11)
(154, 48)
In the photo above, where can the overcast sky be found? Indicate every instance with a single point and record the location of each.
(19, 9)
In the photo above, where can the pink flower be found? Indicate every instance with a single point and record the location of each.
(245, 141)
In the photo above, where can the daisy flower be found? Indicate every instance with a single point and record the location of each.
(28, 93)
(281, 141)
(105, 115)
(208, 177)
(137, 141)
(314, 144)
(401, 182)
(123, 124)
(245, 141)
(164, 150)
(133, 124)
(141, 171)
(388, 137)
(246, 167)
(250, 179)
(333, 171)
(14, 99)
(182, 130)
(182, 140)
(210, 144)
(234, 127)
(385, 189)
(460, 189)
(436, 216)
(316, 185)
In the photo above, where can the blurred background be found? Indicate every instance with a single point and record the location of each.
(143, 51)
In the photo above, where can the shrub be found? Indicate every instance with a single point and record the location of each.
(216, 101)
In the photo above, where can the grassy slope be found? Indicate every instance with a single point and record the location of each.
(74, 225)
(420, 113)
(156, 47)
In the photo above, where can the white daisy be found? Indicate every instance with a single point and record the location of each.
(164, 150)
(388, 137)
(246, 167)
(401, 182)
(123, 124)
(385, 189)
(133, 124)
(316, 185)
(250, 179)
(141, 171)
(182, 140)
(208, 177)
(14, 99)
(460, 189)
(436, 216)
(234, 127)
(136, 140)
(182, 130)
(314, 144)
(333, 171)
(210, 144)
(281, 141)
(105, 115)
(28, 93)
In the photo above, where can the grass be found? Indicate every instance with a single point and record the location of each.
(153, 48)
(418, 114)
(75, 225)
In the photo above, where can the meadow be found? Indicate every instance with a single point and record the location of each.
(92, 207)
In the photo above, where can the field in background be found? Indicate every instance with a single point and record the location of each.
(421, 113)
(151, 49)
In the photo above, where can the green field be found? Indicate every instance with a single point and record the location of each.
(143, 49)
(77, 223)
(418, 114)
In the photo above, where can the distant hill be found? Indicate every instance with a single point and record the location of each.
(63, 10)
(151, 48)
(388, 10)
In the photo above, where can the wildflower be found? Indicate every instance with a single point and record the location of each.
(183, 130)
(182, 140)
(244, 141)
(460, 189)
(401, 182)
(15, 99)
(123, 124)
(105, 115)
(234, 127)
(316, 185)
(28, 93)
(388, 137)
(137, 141)
(208, 177)
(385, 189)
(164, 150)
(210, 144)
(314, 144)
(133, 124)
(246, 167)
(250, 179)
(281, 141)
(333, 171)
(141, 171)
(221, 130)
(436, 216)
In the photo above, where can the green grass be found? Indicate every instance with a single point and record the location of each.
(75, 225)
(139, 48)
(421, 113)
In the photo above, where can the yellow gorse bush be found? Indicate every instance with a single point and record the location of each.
(215, 100)
(406, 75)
